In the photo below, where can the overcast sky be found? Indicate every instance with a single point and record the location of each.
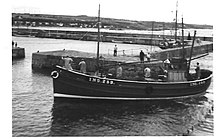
(193, 11)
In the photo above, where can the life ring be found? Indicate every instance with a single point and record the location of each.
(54, 74)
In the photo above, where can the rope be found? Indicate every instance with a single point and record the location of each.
(87, 32)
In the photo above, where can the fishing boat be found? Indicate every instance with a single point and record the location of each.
(176, 82)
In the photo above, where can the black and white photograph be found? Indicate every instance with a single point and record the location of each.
(111, 68)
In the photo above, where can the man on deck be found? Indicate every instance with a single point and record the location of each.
(119, 71)
(82, 65)
(148, 56)
(67, 62)
(198, 72)
(147, 72)
(115, 50)
(142, 56)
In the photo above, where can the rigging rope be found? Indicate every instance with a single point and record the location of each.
(87, 32)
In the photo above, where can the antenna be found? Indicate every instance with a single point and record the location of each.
(183, 38)
(98, 36)
(152, 33)
(176, 21)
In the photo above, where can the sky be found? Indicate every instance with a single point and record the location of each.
(193, 11)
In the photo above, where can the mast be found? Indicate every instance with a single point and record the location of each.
(183, 38)
(152, 35)
(163, 30)
(190, 57)
(97, 62)
(175, 36)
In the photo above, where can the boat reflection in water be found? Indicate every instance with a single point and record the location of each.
(82, 117)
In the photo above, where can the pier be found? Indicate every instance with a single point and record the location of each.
(198, 49)
(18, 52)
(49, 59)
(117, 36)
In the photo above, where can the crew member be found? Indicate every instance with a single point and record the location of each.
(67, 62)
(119, 71)
(115, 50)
(13, 44)
(198, 72)
(147, 72)
(124, 53)
(142, 56)
(166, 64)
(82, 65)
(148, 56)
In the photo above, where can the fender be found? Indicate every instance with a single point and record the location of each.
(54, 74)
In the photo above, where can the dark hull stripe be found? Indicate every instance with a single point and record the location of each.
(77, 84)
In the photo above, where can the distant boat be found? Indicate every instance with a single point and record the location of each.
(178, 84)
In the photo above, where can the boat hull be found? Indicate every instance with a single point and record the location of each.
(77, 85)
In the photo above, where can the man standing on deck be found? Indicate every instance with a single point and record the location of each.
(115, 50)
(142, 56)
(198, 72)
(67, 62)
(119, 71)
(82, 65)
(13, 44)
(147, 73)
(148, 56)
(16, 44)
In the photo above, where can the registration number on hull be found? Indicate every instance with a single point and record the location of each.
(98, 80)
(197, 83)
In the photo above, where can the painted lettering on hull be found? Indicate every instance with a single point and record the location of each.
(103, 81)
(197, 83)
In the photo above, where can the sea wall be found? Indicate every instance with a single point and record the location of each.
(133, 69)
(129, 38)
(48, 60)
(18, 52)
(177, 52)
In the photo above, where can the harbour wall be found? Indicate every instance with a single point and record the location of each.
(129, 38)
(48, 60)
(18, 52)
(131, 70)
(198, 49)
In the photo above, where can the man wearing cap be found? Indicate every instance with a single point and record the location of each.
(67, 62)
(82, 65)
(119, 71)
(198, 72)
